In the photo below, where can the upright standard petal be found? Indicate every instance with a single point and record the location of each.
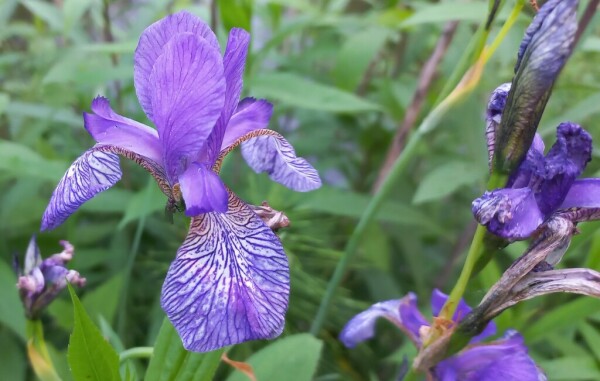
(274, 155)
(108, 127)
(234, 62)
(188, 91)
(203, 191)
(151, 45)
(251, 114)
(229, 282)
(92, 173)
(362, 326)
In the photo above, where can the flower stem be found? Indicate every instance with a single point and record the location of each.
(136, 353)
(475, 251)
(37, 352)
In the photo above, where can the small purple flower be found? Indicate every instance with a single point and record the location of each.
(40, 281)
(230, 281)
(505, 359)
(541, 186)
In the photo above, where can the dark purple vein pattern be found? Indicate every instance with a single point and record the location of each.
(274, 155)
(229, 282)
(93, 172)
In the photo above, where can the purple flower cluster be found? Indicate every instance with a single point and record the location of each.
(229, 281)
(504, 359)
(40, 281)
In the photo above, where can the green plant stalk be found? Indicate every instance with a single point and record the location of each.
(37, 351)
(136, 353)
(475, 251)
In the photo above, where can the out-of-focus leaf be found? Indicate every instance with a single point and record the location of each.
(350, 204)
(302, 92)
(592, 338)
(103, 300)
(292, 358)
(571, 369)
(45, 11)
(446, 179)
(46, 113)
(576, 113)
(591, 44)
(116, 200)
(90, 356)
(72, 12)
(143, 203)
(446, 11)
(355, 56)
(12, 314)
(4, 101)
(12, 359)
(19, 160)
(236, 13)
(170, 361)
(110, 48)
(563, 316)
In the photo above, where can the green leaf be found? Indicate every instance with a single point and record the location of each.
(446, 179)
(13, 363)
(170, 361)
(447, 11)
(356, 55)
(576, 113)
(564, 316)
(591, 337)
(302, 92)
(101, 302)
(292, 358)
(236, 13)
(45, 11)
(19, 160)
(90, 356)
(12, 314)
(143, 203)
(4, 101)
(571, 369)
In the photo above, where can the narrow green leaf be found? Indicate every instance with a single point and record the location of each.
(302, 92)
(171, 362)
(90, 356)
(447, 11)
(591, 337)
(45, 11)
(571, 369)
(101, 302)
(292, 358)
(446, 179)
(236, 13)
(20, 160)
(12, 314)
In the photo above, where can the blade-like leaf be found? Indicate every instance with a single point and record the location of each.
(170, 361)
(294, 358)
(90, 356)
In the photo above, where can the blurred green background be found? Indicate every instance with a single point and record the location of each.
(341, 75)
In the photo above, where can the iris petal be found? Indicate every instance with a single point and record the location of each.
(203, 191)
(274, 155)
(502, 360)
(251, 114)
(108, 127)
(512, 214)
(362, 326)
(187, 97)
(584, 193)
(412, 319)
(229, 282)
(234, 61)
(151, 45)
(93, 172)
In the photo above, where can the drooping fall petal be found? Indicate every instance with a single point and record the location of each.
(229, 282)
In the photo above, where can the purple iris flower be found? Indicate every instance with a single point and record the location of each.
(541, 185)
(40, 281)
(229, 282)
(505, 359)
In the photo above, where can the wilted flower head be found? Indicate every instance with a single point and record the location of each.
(501, 360)
(542, 185)
(40, 281)
(546, 46)
(229, 282)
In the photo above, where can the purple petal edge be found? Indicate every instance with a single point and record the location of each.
(274, 155)
(93, 172)
(229, 282)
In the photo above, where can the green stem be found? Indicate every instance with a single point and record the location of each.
(475, 251)
(37, 351)
(364, 221)
(136, 353)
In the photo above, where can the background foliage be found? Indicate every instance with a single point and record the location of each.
(341, 74)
